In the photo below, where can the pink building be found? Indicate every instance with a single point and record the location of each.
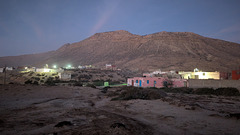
(179, 83)
(157, 82)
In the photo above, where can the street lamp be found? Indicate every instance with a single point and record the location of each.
(69, 66)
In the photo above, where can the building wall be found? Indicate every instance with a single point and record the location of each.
(1, 70)
(65, 76)
(45, 70)
(146, 82)
(157, 82)
(200, 75)
(147, 75)
(197, 83)
(179, 83)
(236, 74)
(9, 68)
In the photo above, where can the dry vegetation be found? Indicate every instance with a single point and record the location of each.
(88, 77)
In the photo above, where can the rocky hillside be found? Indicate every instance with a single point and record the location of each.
(163, 50)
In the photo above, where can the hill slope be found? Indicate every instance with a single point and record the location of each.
(164, 50)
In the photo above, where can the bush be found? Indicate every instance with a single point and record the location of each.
(28, 82)
(227, 91)
(205, 91)
(219, 92)
(78, 84)
(36, 78)
(50, 81)
(84, 76)
(98, 82)
(35, 83)
(184, 90)
(139, 93)
(91, 85)
(114, 82)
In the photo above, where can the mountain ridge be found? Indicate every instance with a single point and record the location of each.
(164, 50)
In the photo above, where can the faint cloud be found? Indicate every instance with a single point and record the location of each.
(234, 28)
(107, 13)
(31, 21)
(4, 28)
(230, 33)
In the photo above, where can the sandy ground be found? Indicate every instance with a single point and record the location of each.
(26, 109)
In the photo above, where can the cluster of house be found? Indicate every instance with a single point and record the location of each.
(160, 79)
(110, 67)
(85, 67)
(2, 69)
(154, 79)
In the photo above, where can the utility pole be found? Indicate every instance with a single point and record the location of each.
(5, 74)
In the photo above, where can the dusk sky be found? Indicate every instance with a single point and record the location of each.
(33, 26)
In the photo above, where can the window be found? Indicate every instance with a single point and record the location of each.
(155, 82)
(147, 81)
(136, 81)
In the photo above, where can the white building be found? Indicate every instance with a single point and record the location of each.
(1, 70)
(45, 70)
(9, 68)
(65, 76)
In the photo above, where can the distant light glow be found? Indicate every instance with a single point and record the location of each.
(54, 66)
(46, 70)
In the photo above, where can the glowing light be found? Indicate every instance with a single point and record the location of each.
(46, 70)
(54, 66)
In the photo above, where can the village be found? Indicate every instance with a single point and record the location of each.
(158, 79)
(108, 100)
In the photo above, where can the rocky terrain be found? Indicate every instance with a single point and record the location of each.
(45, 110)
(163, 50)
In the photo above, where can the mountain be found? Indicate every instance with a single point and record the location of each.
(163, 50)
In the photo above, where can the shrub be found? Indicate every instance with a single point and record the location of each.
(36, 78)
(84, 76)
(114, 82)
(91, 85)
(30, 74)
(182, 90)
(98, 82)
(50, 81)
(53, 74)
(139, 93)
(205, 91)
(227, 91)
(35, 83)
(28, 82)
(78, 84)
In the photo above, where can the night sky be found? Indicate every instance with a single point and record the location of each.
(33, 26)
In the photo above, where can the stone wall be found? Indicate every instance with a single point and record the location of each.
(200, 83)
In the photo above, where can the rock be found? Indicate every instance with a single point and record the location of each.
(63, 123)
(118, 125)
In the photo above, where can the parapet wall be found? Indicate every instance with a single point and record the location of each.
(200, 83)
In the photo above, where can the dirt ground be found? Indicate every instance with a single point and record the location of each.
(55, 110)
